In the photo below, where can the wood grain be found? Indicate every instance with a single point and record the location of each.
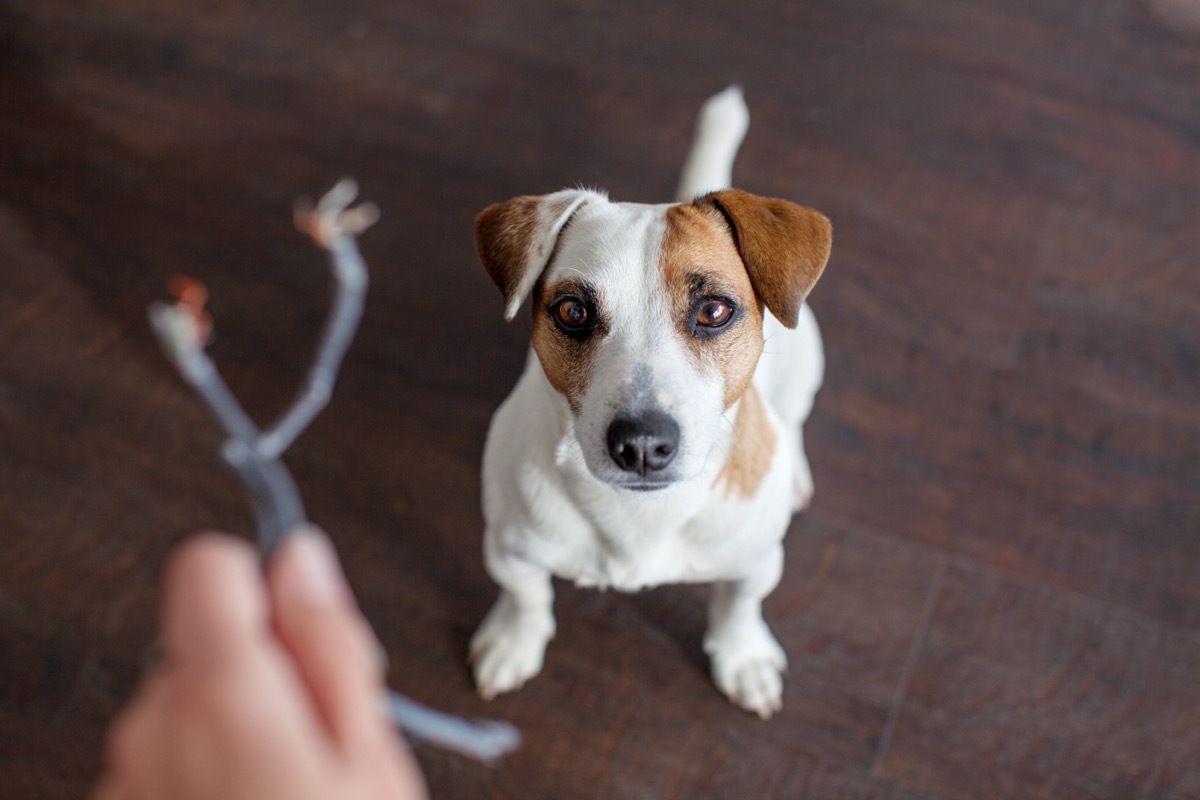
(995, 594)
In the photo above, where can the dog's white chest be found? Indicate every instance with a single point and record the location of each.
(645, 558)
(657, 559)
(686, 536)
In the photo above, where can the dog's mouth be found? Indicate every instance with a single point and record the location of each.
(645, 486)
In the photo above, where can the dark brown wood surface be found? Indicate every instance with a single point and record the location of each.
(997, 591)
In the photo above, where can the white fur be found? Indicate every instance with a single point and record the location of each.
(553, 499)
(719, 131)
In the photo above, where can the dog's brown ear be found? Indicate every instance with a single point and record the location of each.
(516, 238)
(784, 247)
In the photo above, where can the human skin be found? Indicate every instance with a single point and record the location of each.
(272, 686)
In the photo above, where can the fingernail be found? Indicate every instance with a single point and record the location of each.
(318, 574)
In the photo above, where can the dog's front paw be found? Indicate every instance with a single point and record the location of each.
(749, 670)
(508, 648)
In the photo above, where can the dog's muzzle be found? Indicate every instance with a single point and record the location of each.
(644, 446)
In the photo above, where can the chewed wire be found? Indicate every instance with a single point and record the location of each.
(183, 328)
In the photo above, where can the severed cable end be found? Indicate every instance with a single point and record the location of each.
(332, 216)
(183, 327)
(485, 740)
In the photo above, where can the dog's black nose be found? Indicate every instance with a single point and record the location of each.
(645, 444)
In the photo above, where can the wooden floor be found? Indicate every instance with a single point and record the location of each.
(997, 591)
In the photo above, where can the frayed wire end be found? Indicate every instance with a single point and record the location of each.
(183, 327)
(332, 217)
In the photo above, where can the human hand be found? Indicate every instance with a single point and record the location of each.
(270, 689)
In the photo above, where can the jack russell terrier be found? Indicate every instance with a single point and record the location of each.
(652, 438)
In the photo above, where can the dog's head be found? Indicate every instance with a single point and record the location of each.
(648, 319)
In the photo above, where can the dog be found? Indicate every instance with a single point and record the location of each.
(653, 437)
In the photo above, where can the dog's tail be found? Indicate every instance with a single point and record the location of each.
(719, 130)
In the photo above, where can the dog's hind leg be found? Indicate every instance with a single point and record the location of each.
(719, 131)
(510, 644)
(747, 661)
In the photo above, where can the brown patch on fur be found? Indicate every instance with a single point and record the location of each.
(567, 362)
(504, 234)
(699, 258)
(753, 449)
(784, 247)
(516, 239)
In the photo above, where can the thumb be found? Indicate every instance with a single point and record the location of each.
(331, 644)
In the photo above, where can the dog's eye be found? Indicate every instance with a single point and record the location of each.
(714, 314)
(572, 314)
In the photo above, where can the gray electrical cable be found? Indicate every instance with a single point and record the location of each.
(256, 456)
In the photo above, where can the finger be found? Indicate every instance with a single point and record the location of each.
(395, 771)
(334, 650)
(133, 746)
(110, 789)
(215, 605)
